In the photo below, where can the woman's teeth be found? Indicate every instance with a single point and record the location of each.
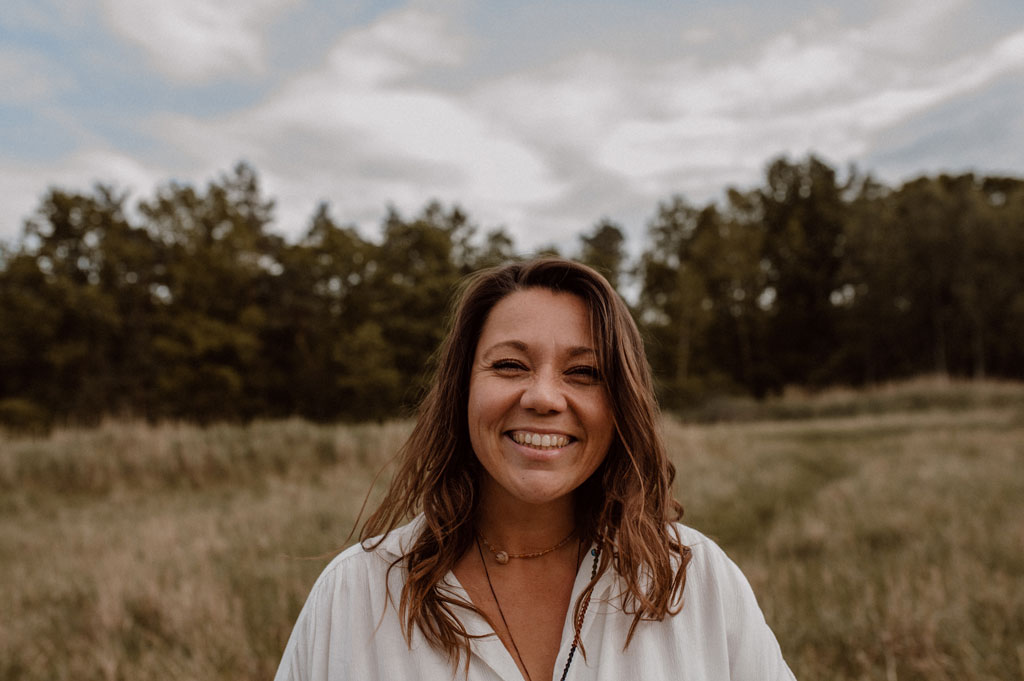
(540, 441)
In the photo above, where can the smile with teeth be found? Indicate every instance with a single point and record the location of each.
(539, 441)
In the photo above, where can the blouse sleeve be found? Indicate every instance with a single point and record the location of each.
(754, 653)
(299, 663)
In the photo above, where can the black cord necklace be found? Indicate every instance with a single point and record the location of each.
(579, 620)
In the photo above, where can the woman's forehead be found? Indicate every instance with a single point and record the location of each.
(536, 316)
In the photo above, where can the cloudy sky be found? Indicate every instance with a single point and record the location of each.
(540, 115)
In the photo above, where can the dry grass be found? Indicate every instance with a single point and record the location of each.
(120, 455)
(192, 565)
(925, 393)
(881, 545)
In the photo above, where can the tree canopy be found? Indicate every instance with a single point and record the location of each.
(189, 306)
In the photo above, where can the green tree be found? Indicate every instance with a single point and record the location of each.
(316, 323)
(604, 250)
(674, 308)
(803, 212)
(76, 243)
(221, 263)
(414, 273)
(732, 248)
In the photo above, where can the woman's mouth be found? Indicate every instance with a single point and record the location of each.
(539, 440)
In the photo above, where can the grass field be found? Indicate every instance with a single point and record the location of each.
(882, 531)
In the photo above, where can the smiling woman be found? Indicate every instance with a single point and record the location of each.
(539, 419)
(532, 518)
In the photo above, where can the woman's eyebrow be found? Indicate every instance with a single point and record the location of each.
(523, 347)
(510, 344)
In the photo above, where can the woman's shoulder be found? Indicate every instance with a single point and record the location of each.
(708, 562)
(368, 561)
(345, 607)
(717, 598)
(700, 545)
(687, 534)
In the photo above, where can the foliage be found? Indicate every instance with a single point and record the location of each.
(200, 312)
(190, 306)
(814, 282)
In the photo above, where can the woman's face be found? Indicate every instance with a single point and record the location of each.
(539, 417)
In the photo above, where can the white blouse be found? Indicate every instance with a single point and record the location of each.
(348, 629)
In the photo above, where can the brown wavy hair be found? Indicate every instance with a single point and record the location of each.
(626, 505)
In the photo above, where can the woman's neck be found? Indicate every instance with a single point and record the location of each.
(519, 527)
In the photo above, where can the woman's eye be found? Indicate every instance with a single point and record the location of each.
(586, 372)
(508, 365)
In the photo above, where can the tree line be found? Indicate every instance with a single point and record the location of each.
(187, 305)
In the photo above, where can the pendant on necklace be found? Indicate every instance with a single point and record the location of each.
(501, 557)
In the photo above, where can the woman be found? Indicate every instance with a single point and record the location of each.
(543, 543)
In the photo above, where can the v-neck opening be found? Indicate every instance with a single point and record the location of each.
(488, 646)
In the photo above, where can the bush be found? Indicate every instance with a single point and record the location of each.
(24, 417)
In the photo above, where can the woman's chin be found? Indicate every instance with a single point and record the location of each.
(538, 491)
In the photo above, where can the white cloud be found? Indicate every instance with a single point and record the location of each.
(623, 133)
(566, 105)
(197, 40)
(547, 150)
(908, 29)
(587, 136)
(697, 35)
(830, 93)
(400, 44)
(353, 133)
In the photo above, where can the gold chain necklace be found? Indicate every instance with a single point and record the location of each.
(502, 557)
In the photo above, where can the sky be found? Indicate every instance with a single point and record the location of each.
(539, 116)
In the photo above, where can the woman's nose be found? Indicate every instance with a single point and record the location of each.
(543, 395)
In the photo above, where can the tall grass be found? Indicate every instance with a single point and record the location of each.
(173, 551)
(882, 544)
(881, 547)
(924, 393)
(119, 455)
